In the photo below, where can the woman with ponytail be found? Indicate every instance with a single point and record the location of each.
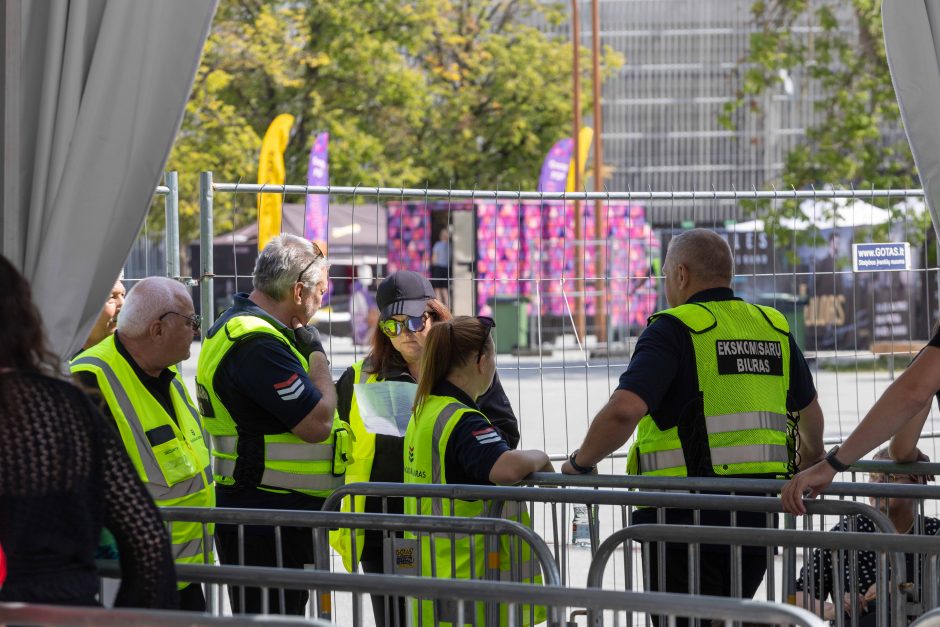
(449, 440)
(408, 311)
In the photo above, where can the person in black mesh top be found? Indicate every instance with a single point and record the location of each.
(63, 475)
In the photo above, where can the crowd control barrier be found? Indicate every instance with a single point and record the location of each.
(558, 600)
(321, 522)
(891, 574)
(623, 499)
(30, 615)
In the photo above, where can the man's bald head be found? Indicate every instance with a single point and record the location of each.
(705, 254)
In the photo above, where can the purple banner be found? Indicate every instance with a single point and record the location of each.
(554, 176)
(318, 173)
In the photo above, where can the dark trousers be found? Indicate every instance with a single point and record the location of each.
(192, 598)
(714, 572)
(388, 611)
(259, 550)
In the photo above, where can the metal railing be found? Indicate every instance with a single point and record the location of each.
(556, 599)
(623, 499)
(323, 521)
(33, 615)
(892, 545)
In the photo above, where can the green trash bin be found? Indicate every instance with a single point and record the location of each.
(792, 307)
(512, 322)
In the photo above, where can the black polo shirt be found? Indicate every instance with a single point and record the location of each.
(159, 386)
(663, 373)
(662, 370)
(267, 391)
(474, 444)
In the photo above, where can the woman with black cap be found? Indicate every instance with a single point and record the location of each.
(407, 311)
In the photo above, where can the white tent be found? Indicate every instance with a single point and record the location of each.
(93, 95)
(843, 212)
(912, 43)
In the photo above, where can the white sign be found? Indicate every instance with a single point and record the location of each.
(881, 257)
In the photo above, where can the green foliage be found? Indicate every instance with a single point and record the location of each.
(437, 92)
(844, 55)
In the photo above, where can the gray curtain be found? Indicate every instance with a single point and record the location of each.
(94, 108)
(912, 41)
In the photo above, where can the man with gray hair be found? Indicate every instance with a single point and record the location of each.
(267, 398)
(133, 373)
(716, 387)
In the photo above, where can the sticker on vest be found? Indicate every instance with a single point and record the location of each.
(749, 357)
(403, 555)
(202, 398)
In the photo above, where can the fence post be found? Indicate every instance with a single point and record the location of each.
(172, 204)
(206, 282)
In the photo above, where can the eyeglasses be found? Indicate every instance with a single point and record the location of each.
(488, 324)
(317, 254)
(194, 320)
(394, 328)
(897, 478)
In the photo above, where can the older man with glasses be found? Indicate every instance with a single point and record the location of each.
(267, 398)
(133, 374)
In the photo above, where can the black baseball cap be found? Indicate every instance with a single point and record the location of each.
(403, 292)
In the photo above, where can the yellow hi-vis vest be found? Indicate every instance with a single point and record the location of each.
(360, 470)
(172, 459)
(425, 453)
(290, 463)
(742, 357)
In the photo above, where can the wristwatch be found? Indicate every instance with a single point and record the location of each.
(582, 470)
(834, 462)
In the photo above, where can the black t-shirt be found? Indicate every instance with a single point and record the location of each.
(260, 381)
(662, 370)
(267, 391)
(663, 373)
(159, 386)
(389, 450)
(474, 444)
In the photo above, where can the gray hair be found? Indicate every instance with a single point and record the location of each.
(147, 301)
(281, 263)
(706, 254)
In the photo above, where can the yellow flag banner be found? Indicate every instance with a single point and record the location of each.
(271, 171)
(585, 137)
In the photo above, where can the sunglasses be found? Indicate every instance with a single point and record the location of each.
(394, 328)
(488, 324)
(317, 254)
(194, 320)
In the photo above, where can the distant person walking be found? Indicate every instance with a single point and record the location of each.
(363, 310)
(441, 268)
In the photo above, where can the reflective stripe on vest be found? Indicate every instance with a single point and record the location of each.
(746, 420)
(184, 550)
(674, 458)
(437, 507)
(155, 483)
(281, 479)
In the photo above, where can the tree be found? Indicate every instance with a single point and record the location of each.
(845, 58)
(839, 49)
(444, 93)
